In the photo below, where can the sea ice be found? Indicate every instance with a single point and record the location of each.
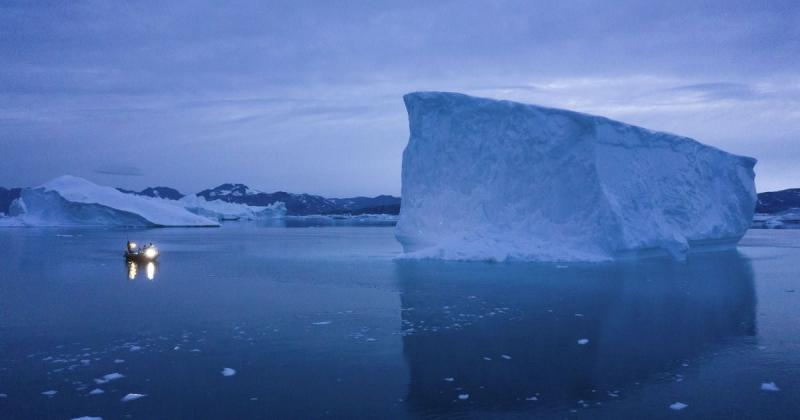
(497, 180)
(228, 372)
(463, 397)
(321, 323)
(770, 386)
(583, 341)
(678, 406)
(96, 391)
(108, 378)
(132, 396)
(87, 418)
(50, 393)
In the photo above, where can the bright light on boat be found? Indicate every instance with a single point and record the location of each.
(150, 253)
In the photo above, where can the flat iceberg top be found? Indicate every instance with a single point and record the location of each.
(488, 179)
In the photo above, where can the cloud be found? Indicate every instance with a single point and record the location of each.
(119, 170)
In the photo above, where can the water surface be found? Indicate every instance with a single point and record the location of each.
(325, 322)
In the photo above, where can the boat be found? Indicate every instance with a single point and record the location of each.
(146, 253)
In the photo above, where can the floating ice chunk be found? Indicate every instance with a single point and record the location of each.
(132, 396)
(87, 418)
(475, 170)
(108, 378)
(678, 406)
(228, 372)
(135, 348)
(487, 358)
(96, 391)
(50, 393)
(505, 356)
(532, 398)
(321, 323)
(583, 341)
(3, 395)
(463, 397)
(449, 379)
(770, 386)
(119, 361)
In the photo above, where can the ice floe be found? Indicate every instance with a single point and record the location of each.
(228, 372)
(583, 341)
(678, 406)
(108, 378)
(96, 391)
(769, 386)
(132, 397)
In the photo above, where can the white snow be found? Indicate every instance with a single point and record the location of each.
(132, 396)
(108, 378)
(228, 372)
(223, 210)
(770, 386)
(69, 201)
(678, 406)
(497, 180)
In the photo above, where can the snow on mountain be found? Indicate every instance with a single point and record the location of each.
(778, 201)
(157, 192)
(487, 179)
(301, 204)
(69, 200)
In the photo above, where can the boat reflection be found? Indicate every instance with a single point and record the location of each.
(149, 267)
(511, 336)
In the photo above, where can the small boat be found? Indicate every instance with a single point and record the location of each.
(146, 253)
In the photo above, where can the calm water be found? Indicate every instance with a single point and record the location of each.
(325, 322)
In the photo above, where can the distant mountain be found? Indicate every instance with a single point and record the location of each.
(7, 195)
(778, 201)
(303, 204)
(157, 192)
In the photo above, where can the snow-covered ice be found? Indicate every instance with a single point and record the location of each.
(228, 372)
(487, 179)
(70, 201)
(132, 397)
(678, 406)
(108, 378)
(223, 210)
(769, 386)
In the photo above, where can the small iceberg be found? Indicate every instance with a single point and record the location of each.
(678, 406)
(108, 378)
(132, 397)
(228, 372)
(770, 386)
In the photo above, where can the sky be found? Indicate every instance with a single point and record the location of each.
(306, 96)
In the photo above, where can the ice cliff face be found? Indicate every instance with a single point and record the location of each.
(487, 179)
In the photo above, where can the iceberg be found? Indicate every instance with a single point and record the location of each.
(498, 180)
(73, 201)
(224, 210)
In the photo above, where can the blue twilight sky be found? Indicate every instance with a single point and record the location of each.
(305, 96)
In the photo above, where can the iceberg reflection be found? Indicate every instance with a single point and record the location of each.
(504, 333)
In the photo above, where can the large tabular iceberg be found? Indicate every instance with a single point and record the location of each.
(70, 201)
(487, 179)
